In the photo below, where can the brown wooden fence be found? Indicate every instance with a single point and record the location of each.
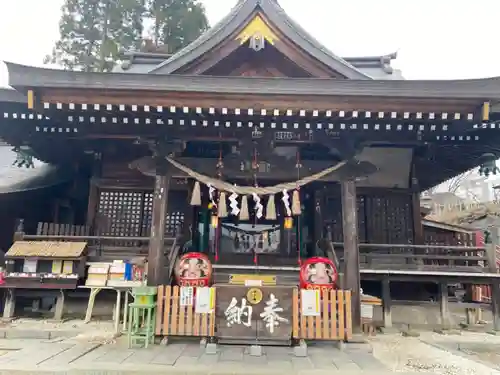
(172, 319)
(334, 321)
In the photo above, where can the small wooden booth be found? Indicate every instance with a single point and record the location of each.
(42, 269)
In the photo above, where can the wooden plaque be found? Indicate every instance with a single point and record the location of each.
(254, 313)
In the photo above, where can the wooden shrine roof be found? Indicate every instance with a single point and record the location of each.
(24, 77)
(46, 249)
(238, 16)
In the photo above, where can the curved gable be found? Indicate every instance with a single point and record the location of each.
(254, 15)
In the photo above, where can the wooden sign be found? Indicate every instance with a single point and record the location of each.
(245, 314)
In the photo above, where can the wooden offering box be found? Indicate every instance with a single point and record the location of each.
(45, 264)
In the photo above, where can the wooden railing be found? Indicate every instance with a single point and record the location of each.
(100, 248)
(172, 319)
(420, 257)
(334, 322)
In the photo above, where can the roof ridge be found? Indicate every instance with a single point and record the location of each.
(238, 14)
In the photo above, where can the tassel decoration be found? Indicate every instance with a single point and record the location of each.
(244, 214)
(196, 195)
(296, 210)
(222, 208)
(271, 208)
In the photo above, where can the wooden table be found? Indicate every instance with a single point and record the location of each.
(94, 291)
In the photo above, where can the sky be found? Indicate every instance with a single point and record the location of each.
(435, 39)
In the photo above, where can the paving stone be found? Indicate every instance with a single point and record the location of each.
(253, 360)
(277, 364)
(142, 356)
(70, 355)
(117, 355)
(232, 354)
(94, 355)
(186, 361)
(194, 351)
(36, 355)
(301, 363)
(168, 356)
(208, 359)
(346, 365)
(27, 334)
(367, 361)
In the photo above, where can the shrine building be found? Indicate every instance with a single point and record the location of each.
(260, 148)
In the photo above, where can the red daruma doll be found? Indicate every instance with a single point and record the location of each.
(318, 273)
(193, 269)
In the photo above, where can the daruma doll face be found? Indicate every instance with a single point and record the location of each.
(193, 269)
(318, 273)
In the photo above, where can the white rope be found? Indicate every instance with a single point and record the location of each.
(250, 190)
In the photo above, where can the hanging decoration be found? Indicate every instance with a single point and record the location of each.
(249, 190)
(296, 210)
(271, 208)
(244, 214)
(222, 209)
(286, 202)
(196, 195)
(234, 204)
(259, 208)
(211, 195)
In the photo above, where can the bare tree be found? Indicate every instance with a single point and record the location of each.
(455, 183)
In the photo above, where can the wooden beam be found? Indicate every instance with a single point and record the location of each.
(31, 99)
(351, 250)
(257, 101)
(485, 111)
(157, 261)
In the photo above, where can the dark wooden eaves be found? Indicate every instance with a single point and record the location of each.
(25, 77)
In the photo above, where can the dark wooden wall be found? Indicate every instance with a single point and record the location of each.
(384, 216)
(447, 237)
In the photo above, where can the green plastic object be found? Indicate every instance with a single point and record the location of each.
(144, 295)
(141, 324)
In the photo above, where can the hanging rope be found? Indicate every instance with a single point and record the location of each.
(250, 190)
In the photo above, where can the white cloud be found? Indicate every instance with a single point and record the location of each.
(436, 39)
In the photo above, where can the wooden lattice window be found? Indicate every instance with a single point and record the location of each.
(147, 214)
(129, 213)
(173, 222)
(120, 213)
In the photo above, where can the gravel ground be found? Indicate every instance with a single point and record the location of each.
(411, 354)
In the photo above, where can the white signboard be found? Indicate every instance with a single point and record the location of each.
(186, 296)
(204, 300)
(29, 266)
(366, 311)
(310, 302)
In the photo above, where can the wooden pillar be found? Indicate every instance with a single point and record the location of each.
(351, 250)
(318, 217)
(93, 200)
(443, 305)
(387, 303)
(492, 268)
(157, 261)
(418, 229)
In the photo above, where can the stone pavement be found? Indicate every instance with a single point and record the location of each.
(77, 357)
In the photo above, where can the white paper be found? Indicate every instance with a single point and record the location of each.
(186, 296)
(310, 302)
(253, 282)
(29, 266)
(203, 303)
(366, 311)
